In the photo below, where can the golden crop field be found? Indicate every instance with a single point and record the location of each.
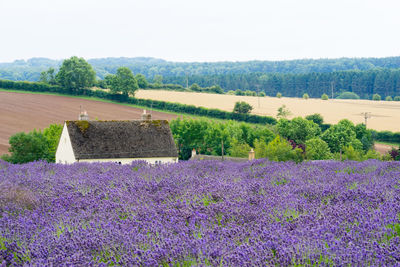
(385, 115)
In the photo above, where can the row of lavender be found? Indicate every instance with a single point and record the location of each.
(201, 213)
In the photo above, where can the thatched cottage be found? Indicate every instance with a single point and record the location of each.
(116, 141)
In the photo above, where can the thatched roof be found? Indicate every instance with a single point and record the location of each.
(121, 139)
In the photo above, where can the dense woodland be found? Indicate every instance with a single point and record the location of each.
(385, 82)
(365, 76)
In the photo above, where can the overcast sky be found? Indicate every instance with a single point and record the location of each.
(201, 30)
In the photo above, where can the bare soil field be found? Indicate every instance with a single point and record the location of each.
(383, 148)
(385, 115)
(21, 112)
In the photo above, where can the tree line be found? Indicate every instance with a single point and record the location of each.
(385, 82)
(29, 70)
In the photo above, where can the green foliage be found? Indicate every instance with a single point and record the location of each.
(158, 80)
(250, 93)
(206, 136)
(28, 147)
(240, 150)
(316, 118)
(365, 136)
(278, 95)
(283, 112)
(348, 95)
(306, 96)
(324, 96)
(141, 81)
(123, 82)
(388, 98)
(52, 134)
(317, 149)
(214, 89)
(349, 153)
(376, 97)
(239, 92)
(262, 94)
(298, 129)
(340, 135)
(35, 145)
(278, 149)
(48, 76)
(195, 88)
(242, 107)
(75, 73)
(396, 98)
(372, 154)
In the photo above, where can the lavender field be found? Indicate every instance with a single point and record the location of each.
(201, 213)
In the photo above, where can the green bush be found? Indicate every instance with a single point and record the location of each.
(278, 149)
(376, 97)
(306, 96)
(388, 98)
(242, 107)
(317, 118)
(278, 95)
(348, 95)
(396, 98)
(317, 149)
(324, 97)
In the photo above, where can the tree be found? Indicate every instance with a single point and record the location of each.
(388, 98)
(53, 134)
(348, 95)
(124, 82)
(341, 135)
(306, 96)
(298, 129)
(317, 149)
(141, 81)
(365, 136)
(195, 87)
(324, 97)
(75, 73)
(158, 80)
(28, 147)
(216, 89)
(376, 97)
(237, 149)
(279, 149)
(278, 95)
(316, 118)
(242, 107)
(283, 112)
(48, 76)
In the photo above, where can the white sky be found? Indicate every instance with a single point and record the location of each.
(201, 30)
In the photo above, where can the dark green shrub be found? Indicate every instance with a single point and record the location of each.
(376, 97)
(348, 95)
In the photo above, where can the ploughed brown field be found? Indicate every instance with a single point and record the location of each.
(20, 112)
(385, 115)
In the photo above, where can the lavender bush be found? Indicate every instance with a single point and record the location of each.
(201, 213)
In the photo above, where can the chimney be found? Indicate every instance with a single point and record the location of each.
(252, 154)
(146, 116)
(193, 152)
(83, 116)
